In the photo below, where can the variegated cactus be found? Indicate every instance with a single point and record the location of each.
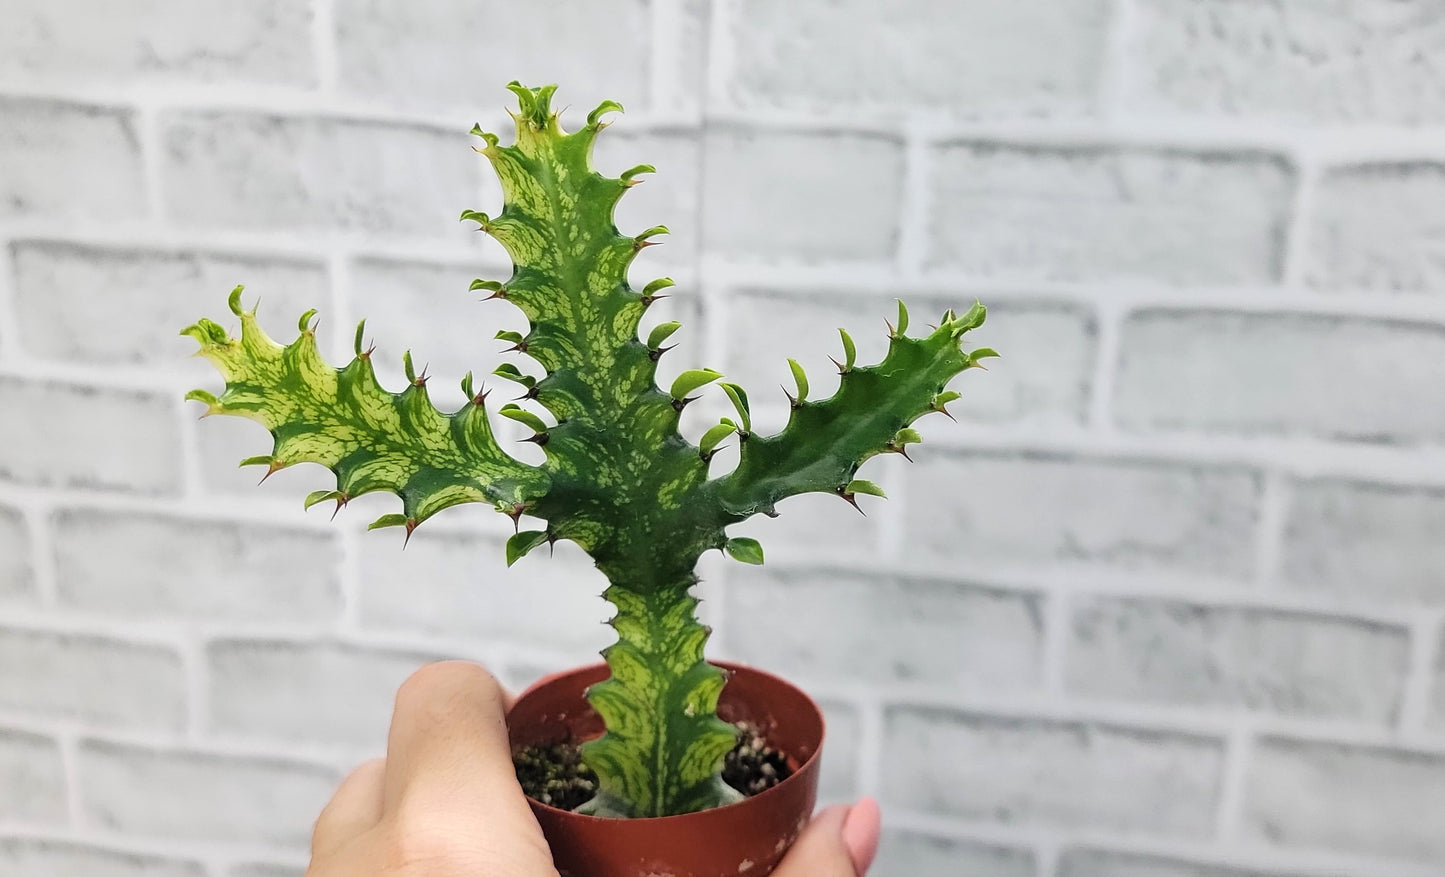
(618, 479)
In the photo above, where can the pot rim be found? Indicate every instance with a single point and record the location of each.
(731, 667)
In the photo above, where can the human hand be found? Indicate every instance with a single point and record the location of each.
(445, 801)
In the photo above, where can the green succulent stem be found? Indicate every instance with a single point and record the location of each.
(617, 478)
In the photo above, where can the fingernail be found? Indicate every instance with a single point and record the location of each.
(861, 829)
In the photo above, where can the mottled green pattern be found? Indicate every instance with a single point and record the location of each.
(618, 478)
(342, 418)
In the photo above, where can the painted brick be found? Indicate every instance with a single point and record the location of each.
(49, 437)
(1180, 653)
(32, 781)
(323, 693)
(17, 579)
(148, 295)
(441, 53)
(24, 857)
(883, 629)
(1099, 863)
(223, 442)
(459, 586)
(193, 796)
(426, 308)
(1049, 773)
(1327, 796)
(97, 680)
(842, 752)
(1103, 214)
(1043, 509)
(212, 40)
(1365, 543)
(1174, 375)
(668, 197)
(69, 161)
(801, 196)
(1042, 379)
(809, 526)
(246, 171)
(683, 84)
(970, 58)
(1297, 60)
(1379, 226)
(905, 854)
(144, 565)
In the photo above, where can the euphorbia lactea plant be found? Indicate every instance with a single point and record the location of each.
(618, 479)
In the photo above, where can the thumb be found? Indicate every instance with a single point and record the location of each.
(840, 842)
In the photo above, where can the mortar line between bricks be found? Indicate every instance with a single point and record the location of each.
(328, 757)
(9, 306)
(1046, 858)
(1113, 83)
(1161, 586)
(1108, 329)
(1274, 502)
(323, 45)
(338, 281)
(165, 848)
(1300, 862)
(1294, 256)
(42, 554)
(720, 57)
(1238, 752)
(914, 206)
(1328, 144)
(664, 38)
(349, 581)
(192, 479)
(290, 102)
(1426, 631)
(868, 767)
(195, 665)
(1187, 134)
(70, 770)
(148, 133)
(1055, 638)
(890, 531)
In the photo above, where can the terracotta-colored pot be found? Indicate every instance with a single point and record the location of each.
(746, 839)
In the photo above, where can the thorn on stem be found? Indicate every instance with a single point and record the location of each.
(679, 404)
(341, 500)
(411, 525)
(274, 467)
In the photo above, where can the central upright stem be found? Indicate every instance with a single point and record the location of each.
(664, 741)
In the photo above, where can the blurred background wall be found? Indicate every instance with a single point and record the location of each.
(1167, 602)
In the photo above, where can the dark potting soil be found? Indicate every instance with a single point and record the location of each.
(555, 775)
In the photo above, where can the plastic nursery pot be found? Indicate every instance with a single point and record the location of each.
(746, 839)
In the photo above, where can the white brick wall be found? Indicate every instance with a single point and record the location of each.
(1169, 601)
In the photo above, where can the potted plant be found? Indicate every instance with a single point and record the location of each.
(657, 723)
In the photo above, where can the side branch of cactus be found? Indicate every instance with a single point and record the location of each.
(872, 412)
(344, 420)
